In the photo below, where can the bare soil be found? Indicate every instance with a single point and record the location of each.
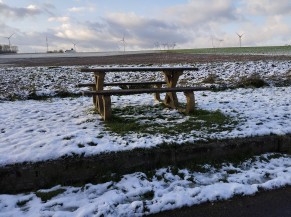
(146, 58)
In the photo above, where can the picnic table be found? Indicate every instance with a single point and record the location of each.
(102, 100)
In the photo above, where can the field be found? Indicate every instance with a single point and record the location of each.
(43, 117)
(271, 50)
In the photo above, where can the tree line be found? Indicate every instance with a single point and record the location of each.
(8, 49)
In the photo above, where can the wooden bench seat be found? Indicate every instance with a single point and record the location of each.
(92, 85)
(140, 91)
(105, 96)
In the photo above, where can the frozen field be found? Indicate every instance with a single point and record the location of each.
(36, 130)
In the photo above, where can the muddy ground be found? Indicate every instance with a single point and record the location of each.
(146, 58)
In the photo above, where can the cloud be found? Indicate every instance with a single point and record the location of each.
(274, 31)
(200, 11)
(59, 19)
(142, 31)
(18, 12)
(268, 7)
(76, 9)
(191, 24)
(90, 8)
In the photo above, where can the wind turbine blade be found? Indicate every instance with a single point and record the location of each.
(11, 35)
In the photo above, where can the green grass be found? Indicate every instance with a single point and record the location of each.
(22, 203)
(238, 50)
(152, 120)
(45, 196)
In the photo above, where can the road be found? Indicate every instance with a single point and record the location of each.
(275, 203)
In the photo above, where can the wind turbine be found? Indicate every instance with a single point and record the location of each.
(240, 37)
(220, 41)
(74, 45)
(124, 42)
(9, 39)
(47, 46)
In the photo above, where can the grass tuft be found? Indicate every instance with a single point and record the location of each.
(22, 203)
(45, 196)
(254, 80)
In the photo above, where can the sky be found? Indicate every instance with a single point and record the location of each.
(114, 25)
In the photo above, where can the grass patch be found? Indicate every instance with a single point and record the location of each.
(149, 120)
(210, 79)
(254, 80)
(22, 203)
(148, 195)
(237, 50)
(45, 196)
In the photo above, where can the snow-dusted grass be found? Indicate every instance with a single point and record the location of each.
(138, 194)
(20, 83)
(40, 130)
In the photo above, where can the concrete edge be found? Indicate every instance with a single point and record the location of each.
(80, 170)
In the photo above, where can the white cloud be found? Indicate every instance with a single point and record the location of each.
(76, 9)
(31, 7)
(275, 31)
(59, 19)
(90, 8)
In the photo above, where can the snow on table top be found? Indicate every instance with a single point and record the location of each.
(41, 130)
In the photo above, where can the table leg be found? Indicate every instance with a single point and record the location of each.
(157, 95)
(190, 106)
(172, 78)
(106, 112)
(97, 100)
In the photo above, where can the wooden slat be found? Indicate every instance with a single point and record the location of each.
(139, 91)
(123, 83)
(136, 69)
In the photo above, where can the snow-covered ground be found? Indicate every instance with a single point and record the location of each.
(18, 82)
(39, 130)
(139, 194)
(35, 130)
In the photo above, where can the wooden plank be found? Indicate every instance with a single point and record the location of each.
(123, 83)
(139, 91)
(137, 69)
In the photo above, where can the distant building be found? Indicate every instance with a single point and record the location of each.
(70, 51)
(8, 49)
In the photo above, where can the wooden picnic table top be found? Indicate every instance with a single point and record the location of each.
(136, 69)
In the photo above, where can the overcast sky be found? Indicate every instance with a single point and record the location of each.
(100, 25)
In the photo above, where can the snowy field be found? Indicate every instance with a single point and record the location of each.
(40, 130)
(36, 130)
